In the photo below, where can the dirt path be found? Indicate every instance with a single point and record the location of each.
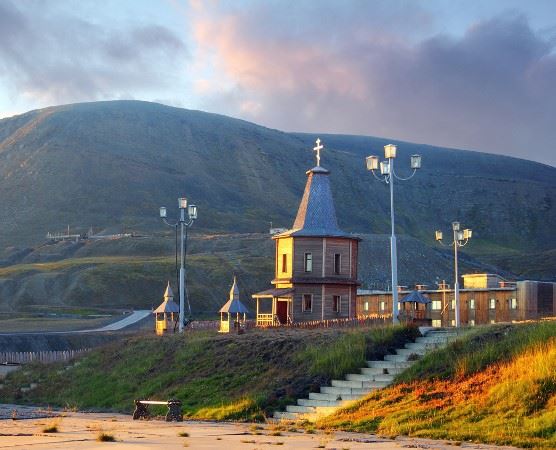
(80, 431)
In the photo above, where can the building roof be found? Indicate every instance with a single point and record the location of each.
(168, 292)
(316, 215)
(234, 305)
(275, 292)
(415, 297)
(168, 305)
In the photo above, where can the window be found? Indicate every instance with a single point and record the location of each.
(337, 263)
(472, 322)
(513, 303)
(284, 263)
(492, 303)
(307, 302)
(471, 303)
(453, 302)
(437, 323)
(453, 322)
(366, 305)
(382, 305)
(336, 303)
(436, 305)
(308, 262)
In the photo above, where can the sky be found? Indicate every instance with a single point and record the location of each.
(472, 74)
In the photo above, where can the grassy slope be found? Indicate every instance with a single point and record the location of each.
(216, 377)
(497, 385)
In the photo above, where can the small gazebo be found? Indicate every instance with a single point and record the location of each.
(233, 306)
(414, 308)
(167, 314)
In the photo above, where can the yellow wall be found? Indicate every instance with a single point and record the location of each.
(284, 246)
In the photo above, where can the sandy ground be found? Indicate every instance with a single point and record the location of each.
(80, 431)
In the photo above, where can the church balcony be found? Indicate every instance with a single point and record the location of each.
(317, 280)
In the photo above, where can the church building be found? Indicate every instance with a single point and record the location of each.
(315, 262)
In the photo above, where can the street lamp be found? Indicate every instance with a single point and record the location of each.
(388, 176)
(461, 238)
(184, 224)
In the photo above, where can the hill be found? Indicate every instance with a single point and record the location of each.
(110, 165)
(131, 273)
(220, 377)
(497, 385)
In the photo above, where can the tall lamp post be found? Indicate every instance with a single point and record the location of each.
(183, 223)
(461, 238)
(388, 175)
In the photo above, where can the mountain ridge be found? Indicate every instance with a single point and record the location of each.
(111, 165)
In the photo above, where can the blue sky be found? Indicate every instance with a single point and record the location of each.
(467, 74)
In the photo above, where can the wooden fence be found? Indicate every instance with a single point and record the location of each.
(337, 323)
(45, 356)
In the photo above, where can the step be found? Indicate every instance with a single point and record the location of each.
(345, 391)
(410, 351)
(347, 384)
(396, 358)
(431, 340)
(380, 371)
(389, 364)
(320, 396)
(366, 377)
(301, 409)
(375, 384)
(318, 403)
(417, 346)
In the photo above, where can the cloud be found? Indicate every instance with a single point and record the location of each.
(313, 66)
(51, 55)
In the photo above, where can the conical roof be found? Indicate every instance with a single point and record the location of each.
(234, 305)
(168, 305)
(234, 291)
(316, 215)
(168, 292)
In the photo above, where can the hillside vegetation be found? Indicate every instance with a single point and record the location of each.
(216, 376)
(112, 164)
(497, 385)
(132, 272)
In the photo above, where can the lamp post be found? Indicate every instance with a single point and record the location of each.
(183, 223)
(461, 238)
(387, 176)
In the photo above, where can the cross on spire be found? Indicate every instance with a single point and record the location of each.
(318, 148)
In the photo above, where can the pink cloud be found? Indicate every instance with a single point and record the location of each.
(488, 89)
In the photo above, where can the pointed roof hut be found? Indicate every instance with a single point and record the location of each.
(233, 306)
(167, 313)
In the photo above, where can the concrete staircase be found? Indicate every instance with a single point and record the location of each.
(377, 375)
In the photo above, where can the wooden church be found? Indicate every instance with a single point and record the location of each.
(315, 262)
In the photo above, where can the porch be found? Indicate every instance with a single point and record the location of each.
(274, 307)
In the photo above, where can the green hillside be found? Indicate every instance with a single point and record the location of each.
(216, 377)
(110, 165)
(496, 385)
(131, 273)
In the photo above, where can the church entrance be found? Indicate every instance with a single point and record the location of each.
(282, 311)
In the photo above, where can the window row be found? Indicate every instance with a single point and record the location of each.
(307, 303)
(436, 305)
(308, 263)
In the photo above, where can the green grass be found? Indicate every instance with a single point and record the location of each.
(351, 351)
(216, 377)
(477, 350)
(497, 385)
